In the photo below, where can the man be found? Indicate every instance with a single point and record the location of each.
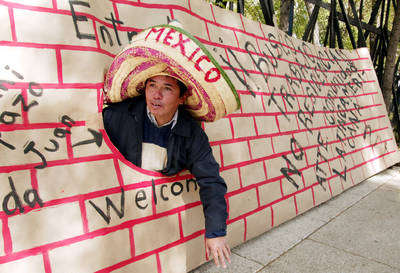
(153, 132)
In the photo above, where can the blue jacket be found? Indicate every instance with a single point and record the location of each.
(188, 148)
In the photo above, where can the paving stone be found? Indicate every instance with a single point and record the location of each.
(274, 243)
(312, 257)
(369, 228)
(238, 264)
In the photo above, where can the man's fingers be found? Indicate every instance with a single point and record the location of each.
(221, 258)
(215, 256)
(227, 253)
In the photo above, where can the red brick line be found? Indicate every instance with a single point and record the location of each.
(229, 141)
(238, 218)
(297, 79)
(245, 229)
(54, 4)
(274, 179)
(208, 32)
(158, 6)
(8, 248)
(20, 85)
(46, 262)
(277, 155)
(60, 162)
(132, 242)
(118, 172)
(212, 12)
(162, 6)
(59, 66)
(33, 126)
(180, 225)
(85, 221)
(159, 269)
(25, 118)
(154, 252)
(245, 92)
(12, 24)
(100, 232)
(34, 181)
(57, 46)
(70, 150)
(235, 115)
(27, 7)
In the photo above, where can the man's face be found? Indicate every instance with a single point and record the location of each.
(162, 97)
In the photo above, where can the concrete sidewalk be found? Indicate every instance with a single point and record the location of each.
(357, 231)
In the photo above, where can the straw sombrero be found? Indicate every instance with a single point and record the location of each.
(170, 50)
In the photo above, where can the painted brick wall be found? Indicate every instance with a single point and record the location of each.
(312, 124)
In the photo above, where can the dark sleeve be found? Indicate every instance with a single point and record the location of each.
(212, 186)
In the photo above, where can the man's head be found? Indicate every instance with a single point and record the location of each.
(163, 96)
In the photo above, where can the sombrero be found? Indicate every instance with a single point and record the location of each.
(170, 50)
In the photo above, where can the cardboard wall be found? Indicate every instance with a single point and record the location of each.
(311, 125)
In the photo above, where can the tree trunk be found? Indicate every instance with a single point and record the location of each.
(391, 58)
(284, 16)
(310, 7)
(373, 36)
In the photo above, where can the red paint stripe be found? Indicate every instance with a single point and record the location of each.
(212, 11)
(255, 124)
(116, 12)
(97, 233)
(33, 126)
(12, 24)
(85, 221)
(295, 205)
(248, 145)
(208, 31)
(240, 178)
(241, 19)
(69, 146)
(159, 269)
(272, 216)
(180, 226)
(258, 197)
(46, 262)
(34, 181)
(277, 124)
(12, 168)
(160, 6)
(58, 46)
(99, 101)
(147, 254)
(8, 247)
(77, 87)
(232, 129)
(59, 66)
(245, 229)
(132, 242)
(54, 4)
(249, 187)
(96, 35)
(172, 14)
(221, 155)
(228, 141)
(25, 117)
(190, 8)
(118, 173)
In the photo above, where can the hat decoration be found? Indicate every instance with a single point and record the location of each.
(170, 50)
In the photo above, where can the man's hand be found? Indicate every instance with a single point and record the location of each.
(218, 249)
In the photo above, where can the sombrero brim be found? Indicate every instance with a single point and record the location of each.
(167, 49)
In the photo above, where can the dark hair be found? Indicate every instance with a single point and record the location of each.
(182, 88)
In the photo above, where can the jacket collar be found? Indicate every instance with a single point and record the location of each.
(137, 108)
